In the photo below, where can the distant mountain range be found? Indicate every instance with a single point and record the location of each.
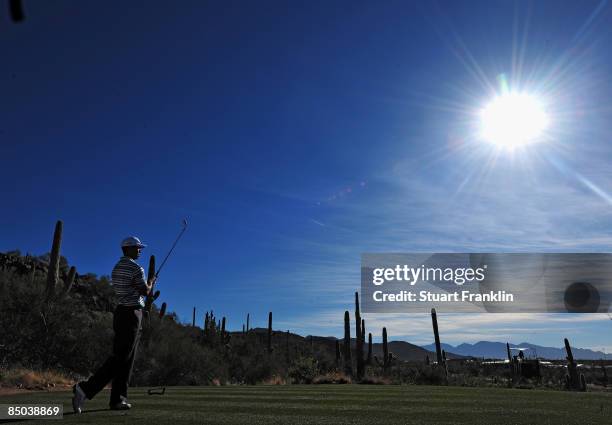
(484, 349)
(408, 352)
(400, 349)
(497, 350)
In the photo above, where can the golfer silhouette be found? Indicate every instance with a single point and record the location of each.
(131, 287)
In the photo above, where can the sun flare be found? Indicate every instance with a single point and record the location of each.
(513, 120)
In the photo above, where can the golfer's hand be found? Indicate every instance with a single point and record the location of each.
(149, 284)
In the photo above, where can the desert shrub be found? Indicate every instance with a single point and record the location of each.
(169, 354)
(375, 380)
(332, 378)
(258, 369)
(275, 380)
(303, 370)
(430, 376)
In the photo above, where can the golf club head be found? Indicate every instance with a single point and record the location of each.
(156, 391)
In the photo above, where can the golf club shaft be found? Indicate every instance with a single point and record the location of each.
(172, 248)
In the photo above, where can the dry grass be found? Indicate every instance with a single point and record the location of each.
(33, 379)
(332, 378)
(275, 380)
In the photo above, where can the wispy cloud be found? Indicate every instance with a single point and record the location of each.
(454, 202)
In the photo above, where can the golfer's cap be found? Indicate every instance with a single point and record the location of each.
(132, 241)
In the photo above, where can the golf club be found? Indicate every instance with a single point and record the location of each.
(156, 391)
(184, 222)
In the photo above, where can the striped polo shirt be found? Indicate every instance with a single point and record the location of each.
(128, 280)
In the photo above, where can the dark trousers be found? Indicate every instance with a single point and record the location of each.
(118, 367)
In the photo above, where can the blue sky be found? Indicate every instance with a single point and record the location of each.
(296, 135)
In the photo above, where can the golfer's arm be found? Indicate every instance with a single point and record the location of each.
(143, 286)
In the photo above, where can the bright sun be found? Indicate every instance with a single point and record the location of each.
(513, 120)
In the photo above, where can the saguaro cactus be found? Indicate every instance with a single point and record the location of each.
(269, 332)
(150, 274)
(573, 381)
(511, 362)
(369, 361)
(363, 333)
(69, 280)
(348, 366)
(386, 355)
(210, 327)
(358, 338)
(162, 311)
(193, 317)
(247, 323)
(53, 273)
(223, 334)
(434, 321)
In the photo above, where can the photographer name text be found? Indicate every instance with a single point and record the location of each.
(449, 297)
